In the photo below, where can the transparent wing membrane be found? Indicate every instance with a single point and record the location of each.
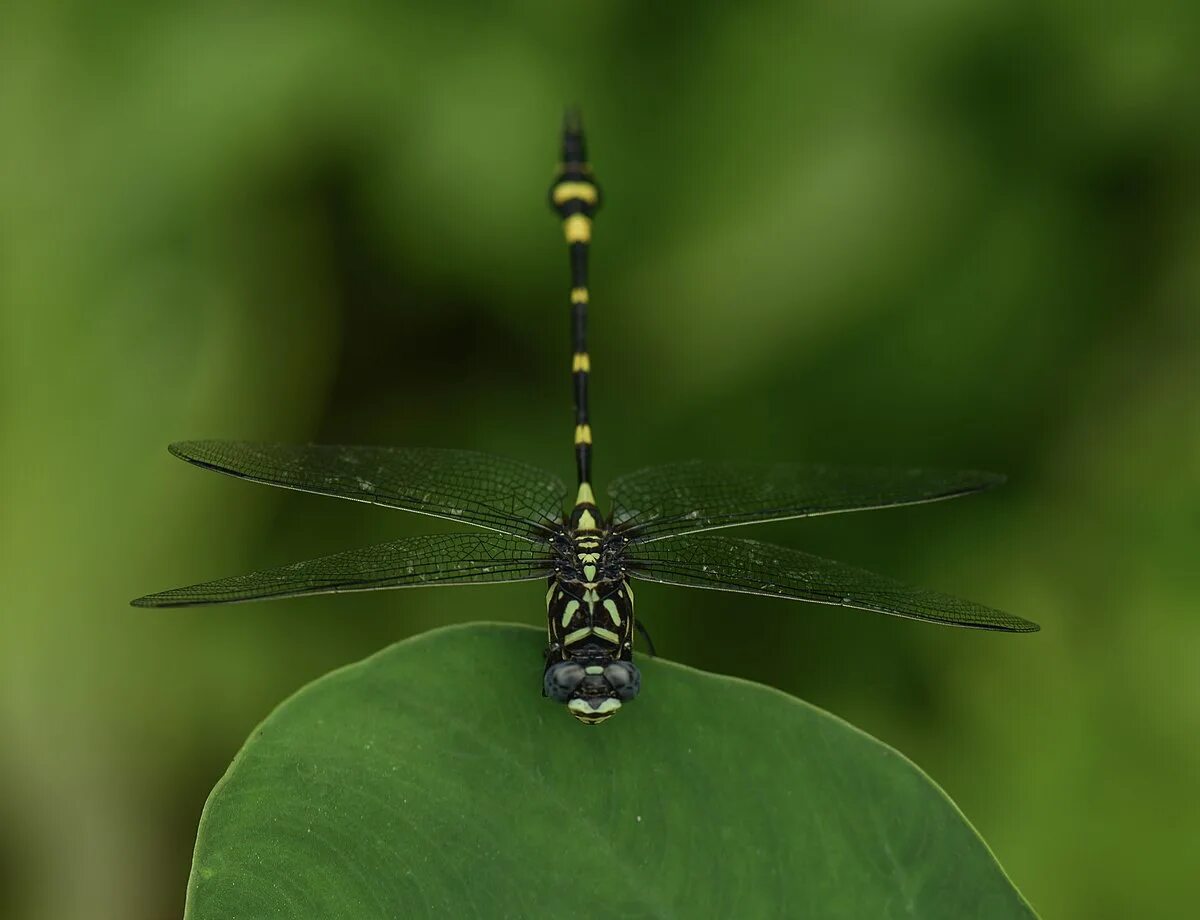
(443, 559)
(688, 497)
(747, 566)
(479, 489)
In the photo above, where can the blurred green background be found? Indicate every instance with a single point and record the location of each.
(942, 234)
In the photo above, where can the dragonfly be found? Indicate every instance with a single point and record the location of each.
(658, 526)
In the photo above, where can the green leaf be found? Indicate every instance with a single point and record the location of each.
(433, 780)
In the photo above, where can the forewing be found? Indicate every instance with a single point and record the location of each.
(688, 497)
(441, 559)
(460, 485)
(747, 566)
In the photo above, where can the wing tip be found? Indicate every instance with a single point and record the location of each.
(990, 480)
(1011, 623)
(151, 600)
(188, 451)
(967, 482)
(191, 450)
(173, 599)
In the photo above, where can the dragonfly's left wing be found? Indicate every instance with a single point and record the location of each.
(725, 564)
(439, 559)
(461, 485)
(688, 497)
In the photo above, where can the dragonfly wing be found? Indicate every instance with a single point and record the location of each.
(491, 492)
(747, 566)
(439, 559)
(688, 497)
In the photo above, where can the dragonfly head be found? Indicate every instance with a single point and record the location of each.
(592, 689)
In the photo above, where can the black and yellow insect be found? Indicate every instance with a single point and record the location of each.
(656, 528)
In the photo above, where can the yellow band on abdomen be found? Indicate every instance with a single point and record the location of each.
(578, 228)
(569, 191)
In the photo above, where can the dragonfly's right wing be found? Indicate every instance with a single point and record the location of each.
(440, 559)
(749, 567)
(688, 497)
(491, 492)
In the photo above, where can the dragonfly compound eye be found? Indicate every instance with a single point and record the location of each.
(625, 678)
(562, 679)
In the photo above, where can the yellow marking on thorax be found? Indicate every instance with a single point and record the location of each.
(611, 606)
(578, 228)
(579, 295)
(569, 613)
(581, 362)
(550, 594)
(569, 191)
(583, 434)
(572, 637)
(589, 572)
(607, 634)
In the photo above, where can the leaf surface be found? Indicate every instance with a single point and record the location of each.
(432, 780)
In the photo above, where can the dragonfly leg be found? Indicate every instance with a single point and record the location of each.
(641, 628)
